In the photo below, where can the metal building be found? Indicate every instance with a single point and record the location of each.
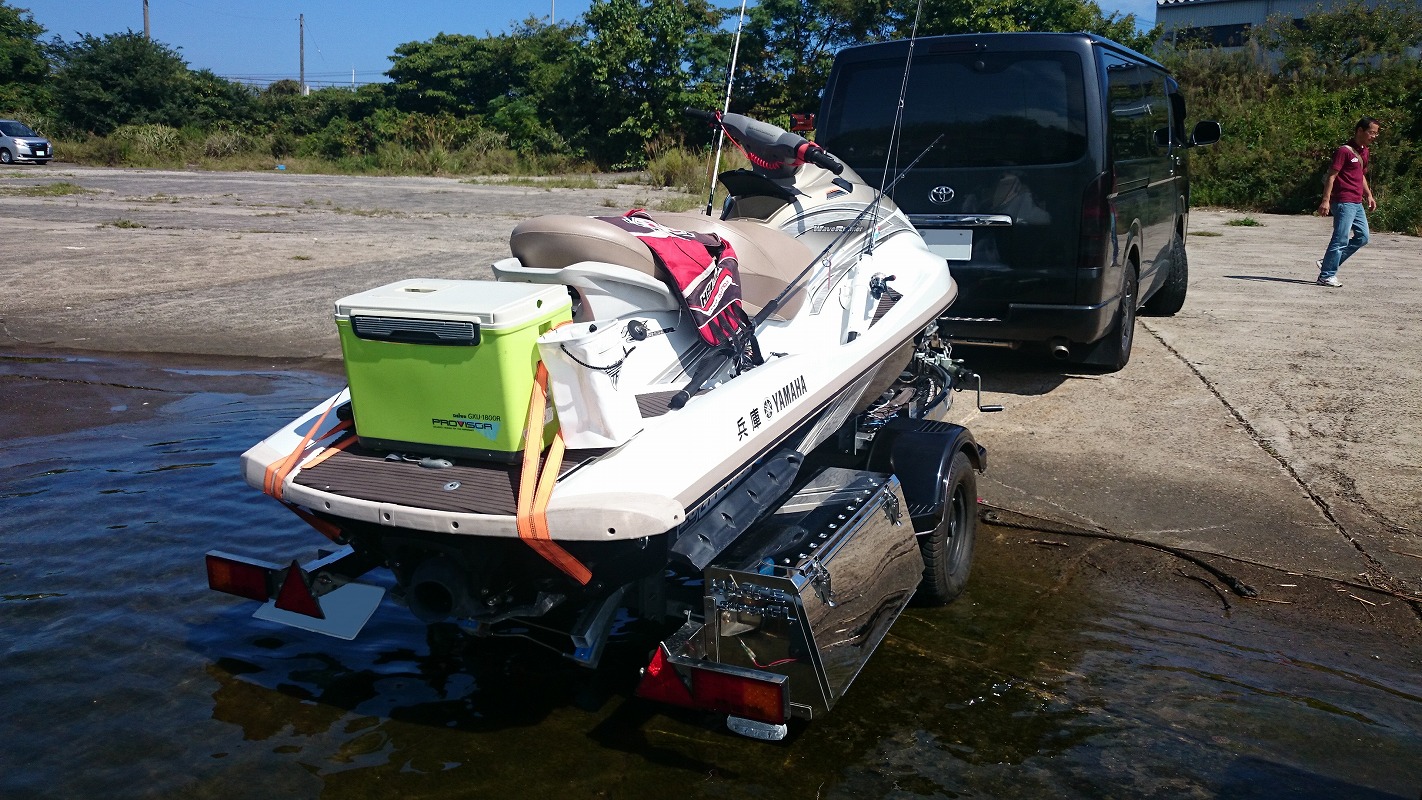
(1226, 23)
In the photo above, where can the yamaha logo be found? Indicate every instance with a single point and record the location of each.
(940, 195)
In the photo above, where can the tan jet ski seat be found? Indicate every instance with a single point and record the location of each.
(768, 259)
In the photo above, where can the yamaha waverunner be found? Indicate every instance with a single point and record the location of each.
(637, 397)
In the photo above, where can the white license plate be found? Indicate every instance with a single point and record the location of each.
(954, 245)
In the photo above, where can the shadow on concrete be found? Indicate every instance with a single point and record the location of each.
(1027, 372)
(1270, 278)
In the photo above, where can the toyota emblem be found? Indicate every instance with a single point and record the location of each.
(940, 195)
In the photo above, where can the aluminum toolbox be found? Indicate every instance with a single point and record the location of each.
(811, 592)
(446, 367)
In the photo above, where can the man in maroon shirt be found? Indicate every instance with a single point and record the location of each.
(1345, 189)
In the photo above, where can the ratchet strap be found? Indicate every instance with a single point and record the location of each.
(273, 482)
(535, 489)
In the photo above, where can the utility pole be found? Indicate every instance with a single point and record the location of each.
(147, 35)
(301, 19)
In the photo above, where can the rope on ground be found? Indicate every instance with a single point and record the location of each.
(1007, 518)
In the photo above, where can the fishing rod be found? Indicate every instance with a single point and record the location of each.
(895, 133)
(726, 107)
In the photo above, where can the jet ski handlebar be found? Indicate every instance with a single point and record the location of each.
(768, 147)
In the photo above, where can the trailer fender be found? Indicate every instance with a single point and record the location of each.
(920, 452)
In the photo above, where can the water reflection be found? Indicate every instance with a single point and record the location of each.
(122, 676)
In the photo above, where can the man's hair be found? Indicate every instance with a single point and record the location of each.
(1367, 122)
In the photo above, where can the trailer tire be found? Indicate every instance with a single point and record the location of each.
(948, 549)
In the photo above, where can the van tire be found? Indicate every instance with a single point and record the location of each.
(1112, 352)
(948, 549)
(1170, 298)
(5, 157)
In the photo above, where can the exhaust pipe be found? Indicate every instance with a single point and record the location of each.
(437, 591)
(1060, 351)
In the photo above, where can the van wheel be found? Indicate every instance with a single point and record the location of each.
(1113, 351)
(5, 157)
(1171, 297)
(948, 549)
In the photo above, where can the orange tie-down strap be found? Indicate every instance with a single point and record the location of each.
(534, 490)
(273, 482)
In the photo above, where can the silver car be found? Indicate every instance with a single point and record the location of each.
(20, 145)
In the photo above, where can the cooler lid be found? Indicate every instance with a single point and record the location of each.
(492, 304)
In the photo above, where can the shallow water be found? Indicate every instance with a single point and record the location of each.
(121, 675)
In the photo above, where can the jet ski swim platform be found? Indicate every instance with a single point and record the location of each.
(721, 426)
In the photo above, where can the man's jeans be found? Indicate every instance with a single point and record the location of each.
(1350, 232)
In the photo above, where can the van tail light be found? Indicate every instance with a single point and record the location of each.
(1098, 222)
(721, 688)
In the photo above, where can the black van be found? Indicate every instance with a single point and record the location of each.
(1059, 191)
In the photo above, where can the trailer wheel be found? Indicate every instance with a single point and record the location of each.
(948, 549)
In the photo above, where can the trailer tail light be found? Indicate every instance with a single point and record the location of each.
(295, 595)
(741, 695)
(256, 580)
(660, 682)
(244, 577)
(739, 692)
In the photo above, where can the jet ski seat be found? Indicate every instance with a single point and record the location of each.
(557, 248)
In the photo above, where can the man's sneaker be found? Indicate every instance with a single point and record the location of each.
(1332, 280)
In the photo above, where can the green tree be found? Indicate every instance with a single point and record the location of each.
(632, 72)
(1003, 16)
(218, 100)
(789, 45)
(519, 82)
(1346, 38)
(121, 79)
(453, 72)
(23, 65)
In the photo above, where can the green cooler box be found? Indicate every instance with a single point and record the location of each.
(446, 367)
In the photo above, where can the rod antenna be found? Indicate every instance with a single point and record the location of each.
(726, 107)
(891, 158)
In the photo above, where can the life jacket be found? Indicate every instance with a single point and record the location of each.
(703, 266)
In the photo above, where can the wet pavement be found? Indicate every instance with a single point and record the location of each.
(1072, 667)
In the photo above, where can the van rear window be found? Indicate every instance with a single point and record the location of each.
(995, 110)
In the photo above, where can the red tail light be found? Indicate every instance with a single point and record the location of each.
(1098, 223)
(661, 683)
(761, 696)
(741, 695)
(244, 577)
(296, 596)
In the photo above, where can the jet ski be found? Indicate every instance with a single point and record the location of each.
(633, 402)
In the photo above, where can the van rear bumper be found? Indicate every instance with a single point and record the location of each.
(1028, 322)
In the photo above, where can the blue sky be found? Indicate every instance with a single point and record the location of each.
(259, 40)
